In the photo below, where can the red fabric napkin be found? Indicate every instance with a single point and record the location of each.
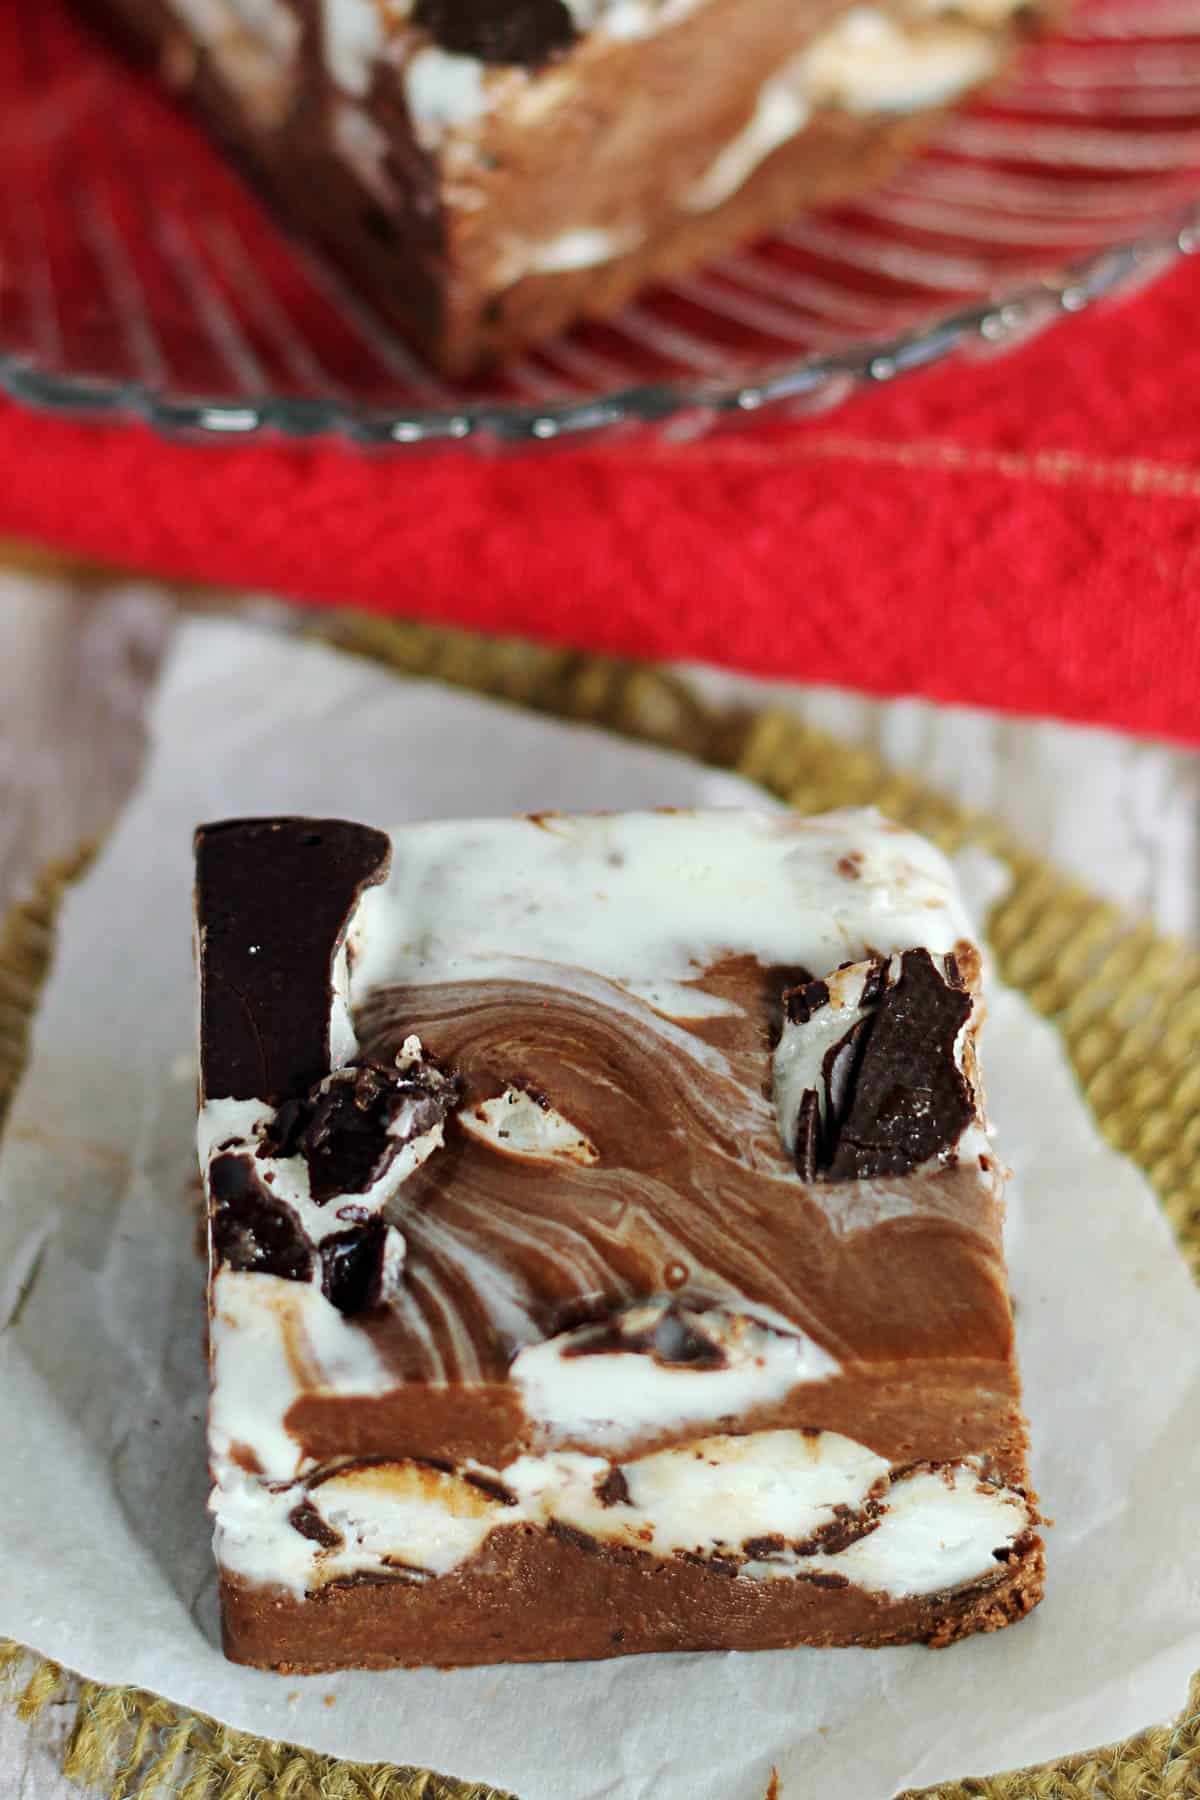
(1021, 533)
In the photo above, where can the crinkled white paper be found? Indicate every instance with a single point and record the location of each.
(104, 1555)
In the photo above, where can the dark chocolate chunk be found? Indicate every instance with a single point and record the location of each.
(393, 1571)
(344, 1128)
(570, 1534)
(528, 32)
(251, 1229)
(613, 1489)
(487, 1484)
(1019, 1548)
(808, 1137)
(839, 1068)
(846, 1527)
(273, 899)
(406, 1570)
(910, 1100)
(305, 1519)
(671, 1339)
(352, 1267)
(758, 1547)
(729, 1566)
(677, 1341)
(777, 981)
(800, 1003)
(875, 982)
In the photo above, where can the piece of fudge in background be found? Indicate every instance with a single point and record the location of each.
(490, 170)
(606, 1241)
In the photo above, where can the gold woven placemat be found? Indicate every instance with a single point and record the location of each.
(1126, 1001)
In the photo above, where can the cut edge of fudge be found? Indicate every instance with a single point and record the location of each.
(489, 173)
(582, 1601)
(328, 1217)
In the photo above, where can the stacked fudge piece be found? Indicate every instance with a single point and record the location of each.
(490, 170)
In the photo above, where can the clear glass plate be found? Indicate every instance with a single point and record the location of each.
(140, 278)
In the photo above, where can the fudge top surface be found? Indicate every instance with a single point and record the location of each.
(654, 900)
(537, 1085)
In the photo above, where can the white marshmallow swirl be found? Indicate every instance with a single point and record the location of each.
(761, 1505)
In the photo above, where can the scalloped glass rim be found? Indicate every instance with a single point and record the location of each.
(142, 280)
(686, 408)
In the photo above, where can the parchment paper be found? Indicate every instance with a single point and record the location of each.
(104, 1544)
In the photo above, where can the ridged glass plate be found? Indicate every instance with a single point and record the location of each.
(140, 278)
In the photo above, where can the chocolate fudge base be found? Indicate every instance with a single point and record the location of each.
(436, 272)
(536, 1596)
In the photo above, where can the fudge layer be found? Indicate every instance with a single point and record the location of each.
(605, 1241)
(489, 170)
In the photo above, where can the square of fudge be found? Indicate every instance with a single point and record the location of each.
(605, 1237)
(490, 170)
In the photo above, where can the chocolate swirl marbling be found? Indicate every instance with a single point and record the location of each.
(692, 1190)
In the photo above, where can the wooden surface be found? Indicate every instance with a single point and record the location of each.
(77, 660)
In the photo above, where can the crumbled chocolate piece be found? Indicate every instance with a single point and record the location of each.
(808, 1137)
(910, 1100)
(351, 1125)
(670, 1339)
(875, 982)
(850, 865)
(800, 1003)
(839, 1068)
(676, 1341)
(528, 32)
(729, 1566)
(776, 982)
(613, 1489)
(393, 1571)
(818, 1578)
(570, 1534)
(902, 1470)
(352, 1267)
(847, 1526)
(487, 1484)
(758, 1547)
(405, 1570)
(252, 1231)
(305, 1519)
(273, 899)
(1020, 1546)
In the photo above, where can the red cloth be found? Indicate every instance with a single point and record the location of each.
(1024, 533)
